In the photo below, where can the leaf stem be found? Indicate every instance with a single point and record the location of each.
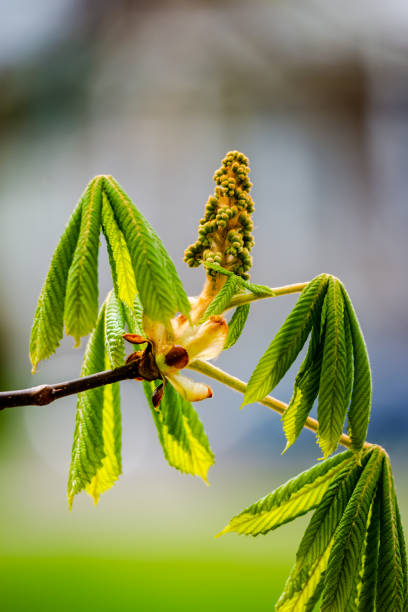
(203, 367)
(247, 298)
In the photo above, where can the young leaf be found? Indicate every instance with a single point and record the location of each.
(305, 390)
(290, 500)
(181, 433)
(368, 590)
(360, 405)
(391, 581)
(88, 446)
(327, 516)
(81, 300)
(223, 298)
(48, 325)
(123, 270)
(161, 292)
(107, 475)
(333, 400)
(114, 330)
(236, 325)
(303, 590)
(306, 580)
(261, 291)
(349, 538)
(288, 342)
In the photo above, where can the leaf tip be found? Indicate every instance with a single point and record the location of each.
(222, 532)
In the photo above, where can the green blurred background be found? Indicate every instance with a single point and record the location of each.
(156, 93)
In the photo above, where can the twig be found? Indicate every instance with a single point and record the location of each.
(45, 394)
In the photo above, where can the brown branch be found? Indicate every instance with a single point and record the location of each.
(143, 367)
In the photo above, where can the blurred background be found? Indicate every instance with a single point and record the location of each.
(156, 93)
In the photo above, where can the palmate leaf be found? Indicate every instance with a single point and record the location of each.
(81, 300)
(161, 292)
(349, 538)
(290, 500)
(122, 270)
(288, 342)
(48, 325)
(236, 325)
(333, 390)
(181, 433)
(353, 551)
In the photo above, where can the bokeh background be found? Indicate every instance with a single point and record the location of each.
(156, 93)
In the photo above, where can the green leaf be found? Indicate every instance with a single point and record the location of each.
(349, 538)
(121, 262)
(333, 399)
(288, 342)
(48, 325)
(236, 325)
(114, 330)
(327, 516)
(391, 582)
(360, 405)
(88, 446)
(305, 390)
(290, 500)
(81, 300)
(111, 468)
(306, 580)
(223, 298)
(161, 292)
(181, 433)
(260, 291)
(367, 595)
(403, 553)
(302, 591)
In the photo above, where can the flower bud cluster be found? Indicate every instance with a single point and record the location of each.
(225, 231)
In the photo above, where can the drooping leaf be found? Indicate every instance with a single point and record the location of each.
(181, 433)
(303, 589)
(391, 584)
(88, 446)
(81, 300)
(48, 325)
(107, 475)
(368, 590)
(114, 330)
(236, 325)
(360, 405)
(223, 297)
(333, 391)
(123, 270)
(349, 538)
(161, 292)
(288, 342)
(305, 390)
(403, 553)
(290, 500)
(306, 580)
(327, 516)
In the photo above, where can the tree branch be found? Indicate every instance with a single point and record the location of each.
(143, 368)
